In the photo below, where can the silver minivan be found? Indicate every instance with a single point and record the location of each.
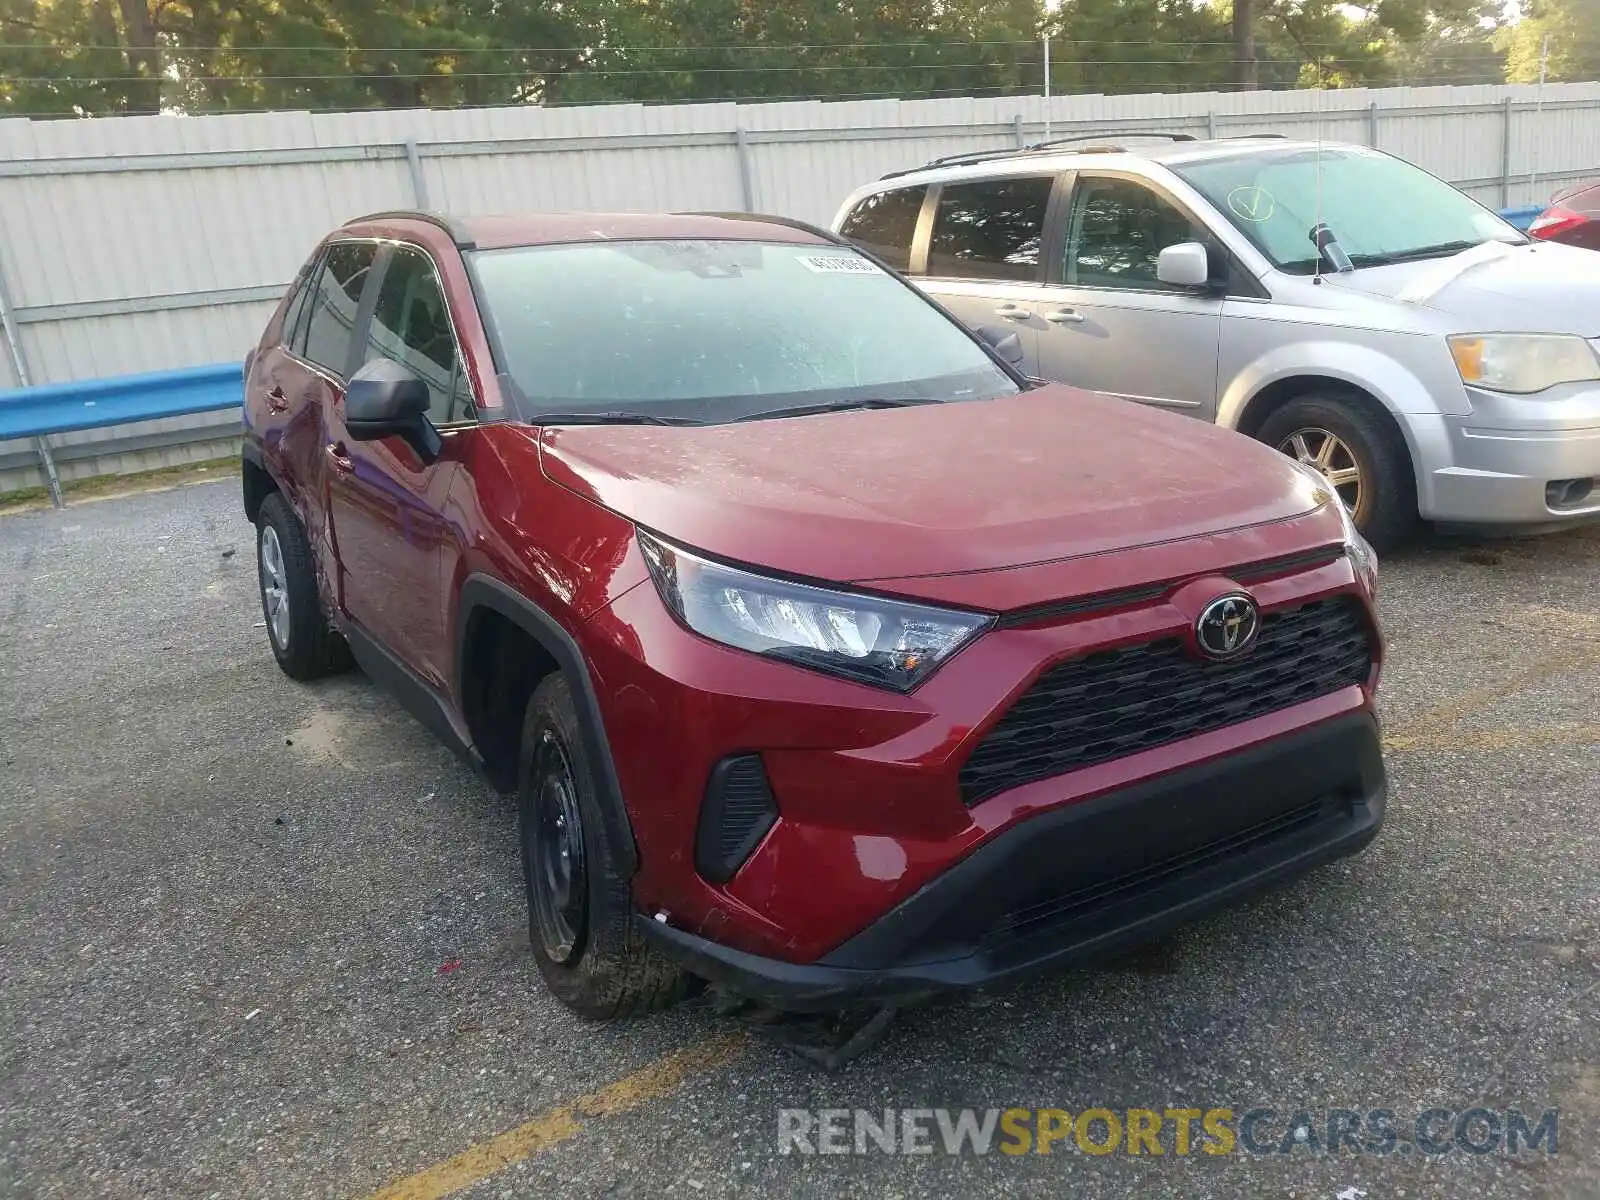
(1334, 301)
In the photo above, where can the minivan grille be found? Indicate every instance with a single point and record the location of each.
(1114, 703)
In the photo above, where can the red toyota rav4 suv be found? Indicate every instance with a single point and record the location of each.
(827, 657)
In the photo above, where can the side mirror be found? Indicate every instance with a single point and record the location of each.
(1185, 265)
(384, 399)
(1003, 342)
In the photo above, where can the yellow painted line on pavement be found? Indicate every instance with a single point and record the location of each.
(562, 1124)
(1493, 739)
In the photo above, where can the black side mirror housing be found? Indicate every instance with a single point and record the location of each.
(1003, 342)
(385, 399)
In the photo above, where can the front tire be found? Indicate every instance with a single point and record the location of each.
(580, 907)
(1364, 460)
(297, 628)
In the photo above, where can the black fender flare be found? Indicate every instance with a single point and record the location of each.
(484, 591)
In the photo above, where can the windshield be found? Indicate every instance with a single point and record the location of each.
(1379, 209)
(712, 331)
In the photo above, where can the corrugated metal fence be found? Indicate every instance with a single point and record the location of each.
(147, 243)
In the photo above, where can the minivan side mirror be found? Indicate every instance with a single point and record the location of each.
(1185, 265)
(1003, 342)
(385, 399)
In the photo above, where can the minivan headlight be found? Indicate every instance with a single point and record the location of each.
(1523, 363)
(887, 643)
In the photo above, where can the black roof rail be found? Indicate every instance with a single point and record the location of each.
(458, 234)
(957, 160)
(1107, 133)
(1240, 137)
(978, 156)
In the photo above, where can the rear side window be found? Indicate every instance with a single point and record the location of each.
(886, 223)
(990, 229)
(411, 326)
(333, 303)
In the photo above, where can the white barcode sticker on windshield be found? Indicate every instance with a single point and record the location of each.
(838, 264)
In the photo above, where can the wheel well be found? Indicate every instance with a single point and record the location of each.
(1278, 393)
(258, 485)
(501, 665)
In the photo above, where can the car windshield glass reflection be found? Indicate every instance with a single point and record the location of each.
(1379, 209)
(719, 330)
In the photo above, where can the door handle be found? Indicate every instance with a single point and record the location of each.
(1012, 312)
(340, 458)
(277, 401)
(1065, 316)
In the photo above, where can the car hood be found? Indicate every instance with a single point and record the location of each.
(938, 489)
(1543, 287)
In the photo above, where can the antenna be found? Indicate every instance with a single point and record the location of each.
(1319, 231)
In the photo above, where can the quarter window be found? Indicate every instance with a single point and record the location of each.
(334, 302)
(411, 325)
(1116, 232)
(886, 224)
(990, 228)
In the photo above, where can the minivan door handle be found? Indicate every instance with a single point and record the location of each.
(1013, 312)
(1065, 316)
(340, 458)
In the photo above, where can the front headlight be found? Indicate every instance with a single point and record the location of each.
(1362, 556)
(1523, 363)
(887, 643)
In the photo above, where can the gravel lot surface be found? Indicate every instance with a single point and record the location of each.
(267, 939)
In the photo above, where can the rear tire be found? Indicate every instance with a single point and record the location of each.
(1339, 434)
(302, 641)
(580, 907)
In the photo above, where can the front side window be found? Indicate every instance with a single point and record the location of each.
(411, 325)
(713, 331)
(886, 224)
(331, 320)
(1116, 231)
(1379, 209)
(990, 229)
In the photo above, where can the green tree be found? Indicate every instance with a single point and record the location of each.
(1572, 28)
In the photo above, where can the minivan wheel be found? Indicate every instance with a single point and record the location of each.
(580, 905)
(1363, 459)
(297, 628)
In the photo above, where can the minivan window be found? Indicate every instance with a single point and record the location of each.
(1380, 209)
(990, 228)
(714, 330)
(334, 303)
(1116, 232)
(886, 223)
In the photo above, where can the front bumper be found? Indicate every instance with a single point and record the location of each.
(1496, 466)
(1079, 881)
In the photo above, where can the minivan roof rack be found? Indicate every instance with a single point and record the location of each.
(1099, 140)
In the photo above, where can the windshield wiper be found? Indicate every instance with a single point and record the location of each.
(1435, 251)
(806, 410)
(608, 418)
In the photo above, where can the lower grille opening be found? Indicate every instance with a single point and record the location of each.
(1129, 886)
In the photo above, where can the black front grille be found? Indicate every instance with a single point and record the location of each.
(1115, 703)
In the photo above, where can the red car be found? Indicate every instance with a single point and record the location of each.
(828, 658)
(1573, 217)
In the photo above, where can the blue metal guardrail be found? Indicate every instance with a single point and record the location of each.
(37, 412)
(1522, 217)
